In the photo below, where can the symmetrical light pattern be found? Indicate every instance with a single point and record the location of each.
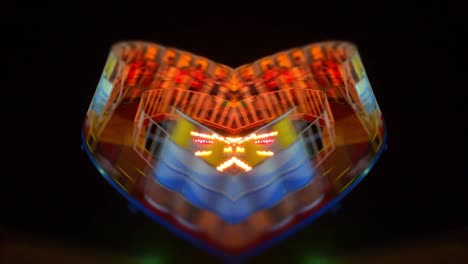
(234, 158)
(233, 147)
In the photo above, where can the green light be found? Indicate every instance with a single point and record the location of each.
(318, 260)
(151, 260)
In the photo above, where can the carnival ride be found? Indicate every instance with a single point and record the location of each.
(233, 159)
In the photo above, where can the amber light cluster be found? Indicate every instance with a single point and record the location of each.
(233, 146)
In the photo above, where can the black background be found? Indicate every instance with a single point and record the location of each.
(53, 197)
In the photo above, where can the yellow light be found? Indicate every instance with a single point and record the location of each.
(211, 137)
(265, 153)
(228, 149)
(233, 140)
(236, 140)
(203, 153)
(237, 145)
(255, 136)
(240, 149)
(271, 134)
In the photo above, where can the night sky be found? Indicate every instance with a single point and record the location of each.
(52, 195)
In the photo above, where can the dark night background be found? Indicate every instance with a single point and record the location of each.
(411, 208)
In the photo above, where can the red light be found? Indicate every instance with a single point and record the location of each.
(202, 141)
(265, 141)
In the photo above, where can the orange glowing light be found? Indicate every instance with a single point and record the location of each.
(233, 147)
(233, 161)
(265, 153)
(203, 153)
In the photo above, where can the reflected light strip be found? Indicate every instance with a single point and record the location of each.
(265, 153)
(203, 153)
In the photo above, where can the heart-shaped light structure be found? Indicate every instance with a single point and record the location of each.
(234, 159)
